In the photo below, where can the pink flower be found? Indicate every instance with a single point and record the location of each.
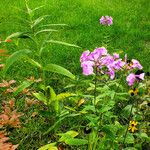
(131, 78)
(84, 56)
(87, 67)
(107, 20)
(132, 64)
(97, 53)
(111, 73)
(136, 64)
(115, 55)
(118, 64)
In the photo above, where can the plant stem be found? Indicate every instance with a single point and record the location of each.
(128, 124)
(95, 83)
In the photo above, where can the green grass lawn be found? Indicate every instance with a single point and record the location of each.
(129, 32)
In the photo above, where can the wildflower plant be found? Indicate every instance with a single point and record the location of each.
(34, 31)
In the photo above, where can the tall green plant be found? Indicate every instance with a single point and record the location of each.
(35, 29)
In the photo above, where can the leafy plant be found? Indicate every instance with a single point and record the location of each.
(35, 29)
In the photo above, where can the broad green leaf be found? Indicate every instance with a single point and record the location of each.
(17, 34)
(143, 135)
(76, 142)
(67, 135)
(109, 129)
(72, 133)
(105, 109)
(52, 93)
(126, 111)
(15, 57)
(40, 96)
(89, 108)
(129, 139)
(64, 138)
(60, 70)
(24, 85)
(49, 147)
(62, 43)
(34, 63)
(45, 30)
(62, 96)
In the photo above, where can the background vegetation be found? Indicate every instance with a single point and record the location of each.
(130, 31)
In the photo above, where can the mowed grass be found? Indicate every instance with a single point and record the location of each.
(129, 32)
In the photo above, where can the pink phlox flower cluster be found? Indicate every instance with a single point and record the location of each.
(106, 20)
(130, 65)
(131, 78)
(100, 59)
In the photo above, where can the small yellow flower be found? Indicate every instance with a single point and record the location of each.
(133, 92)
(132, 126)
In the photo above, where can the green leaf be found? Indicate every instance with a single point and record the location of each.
(89, 108)
(129, 148)
(62, 43)
(76, 141)
(72, 133)
(49, 147)
(67, 135)
(40, 96)
(52, 93)
(143, 135)
(62, 96)
(37, 21)
(17, 34)
(60, 70)
(45, 30)
(47, 25)
(38, 8)
(109, 130)
(34, 63)
(129, 139)
(24, 85)
(15, 57)
(105, 109)
(126, 111)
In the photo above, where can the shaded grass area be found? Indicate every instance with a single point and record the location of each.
(130, 31)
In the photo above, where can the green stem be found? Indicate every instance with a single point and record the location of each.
(95, 83)
(128, 124)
